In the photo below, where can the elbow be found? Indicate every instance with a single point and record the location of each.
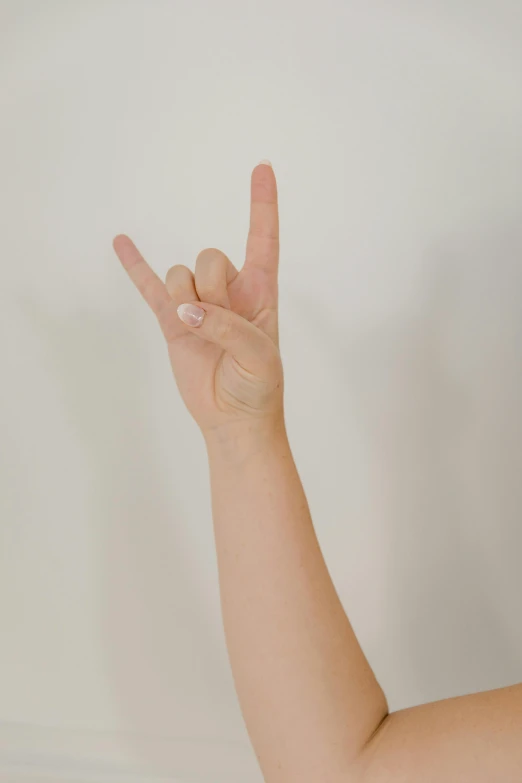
(363, 767)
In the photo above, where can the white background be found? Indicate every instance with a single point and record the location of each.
(394, 129)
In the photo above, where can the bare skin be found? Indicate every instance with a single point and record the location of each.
(311, 703)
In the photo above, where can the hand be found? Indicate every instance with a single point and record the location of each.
(228, 367)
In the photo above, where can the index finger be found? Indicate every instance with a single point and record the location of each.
(262, 249)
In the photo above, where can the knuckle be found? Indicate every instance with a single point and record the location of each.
(266, 234)
(210, 261)
(148, 287)
(210, 269)
(177, 271)
(179, 279)
(208, 253)
(168, 323)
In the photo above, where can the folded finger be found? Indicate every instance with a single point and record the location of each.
(214, 273)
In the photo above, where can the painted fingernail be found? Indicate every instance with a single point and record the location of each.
(191, 314)
(266, 162)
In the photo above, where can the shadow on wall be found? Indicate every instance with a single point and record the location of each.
(160, 648)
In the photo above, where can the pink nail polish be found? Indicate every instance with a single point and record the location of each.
(191, 314)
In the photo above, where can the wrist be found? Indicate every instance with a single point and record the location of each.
(236, 441)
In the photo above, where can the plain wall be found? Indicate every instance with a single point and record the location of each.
(394, 130)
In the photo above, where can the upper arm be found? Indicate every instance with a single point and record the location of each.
(474, 738)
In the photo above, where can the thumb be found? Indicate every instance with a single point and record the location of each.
(253, 349)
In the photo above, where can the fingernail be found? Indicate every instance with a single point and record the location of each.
(266, 163)
(191, 314)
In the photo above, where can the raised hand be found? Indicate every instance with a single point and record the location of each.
(226, 364)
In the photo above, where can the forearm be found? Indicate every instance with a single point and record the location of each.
(307, 693)
(312, 706)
